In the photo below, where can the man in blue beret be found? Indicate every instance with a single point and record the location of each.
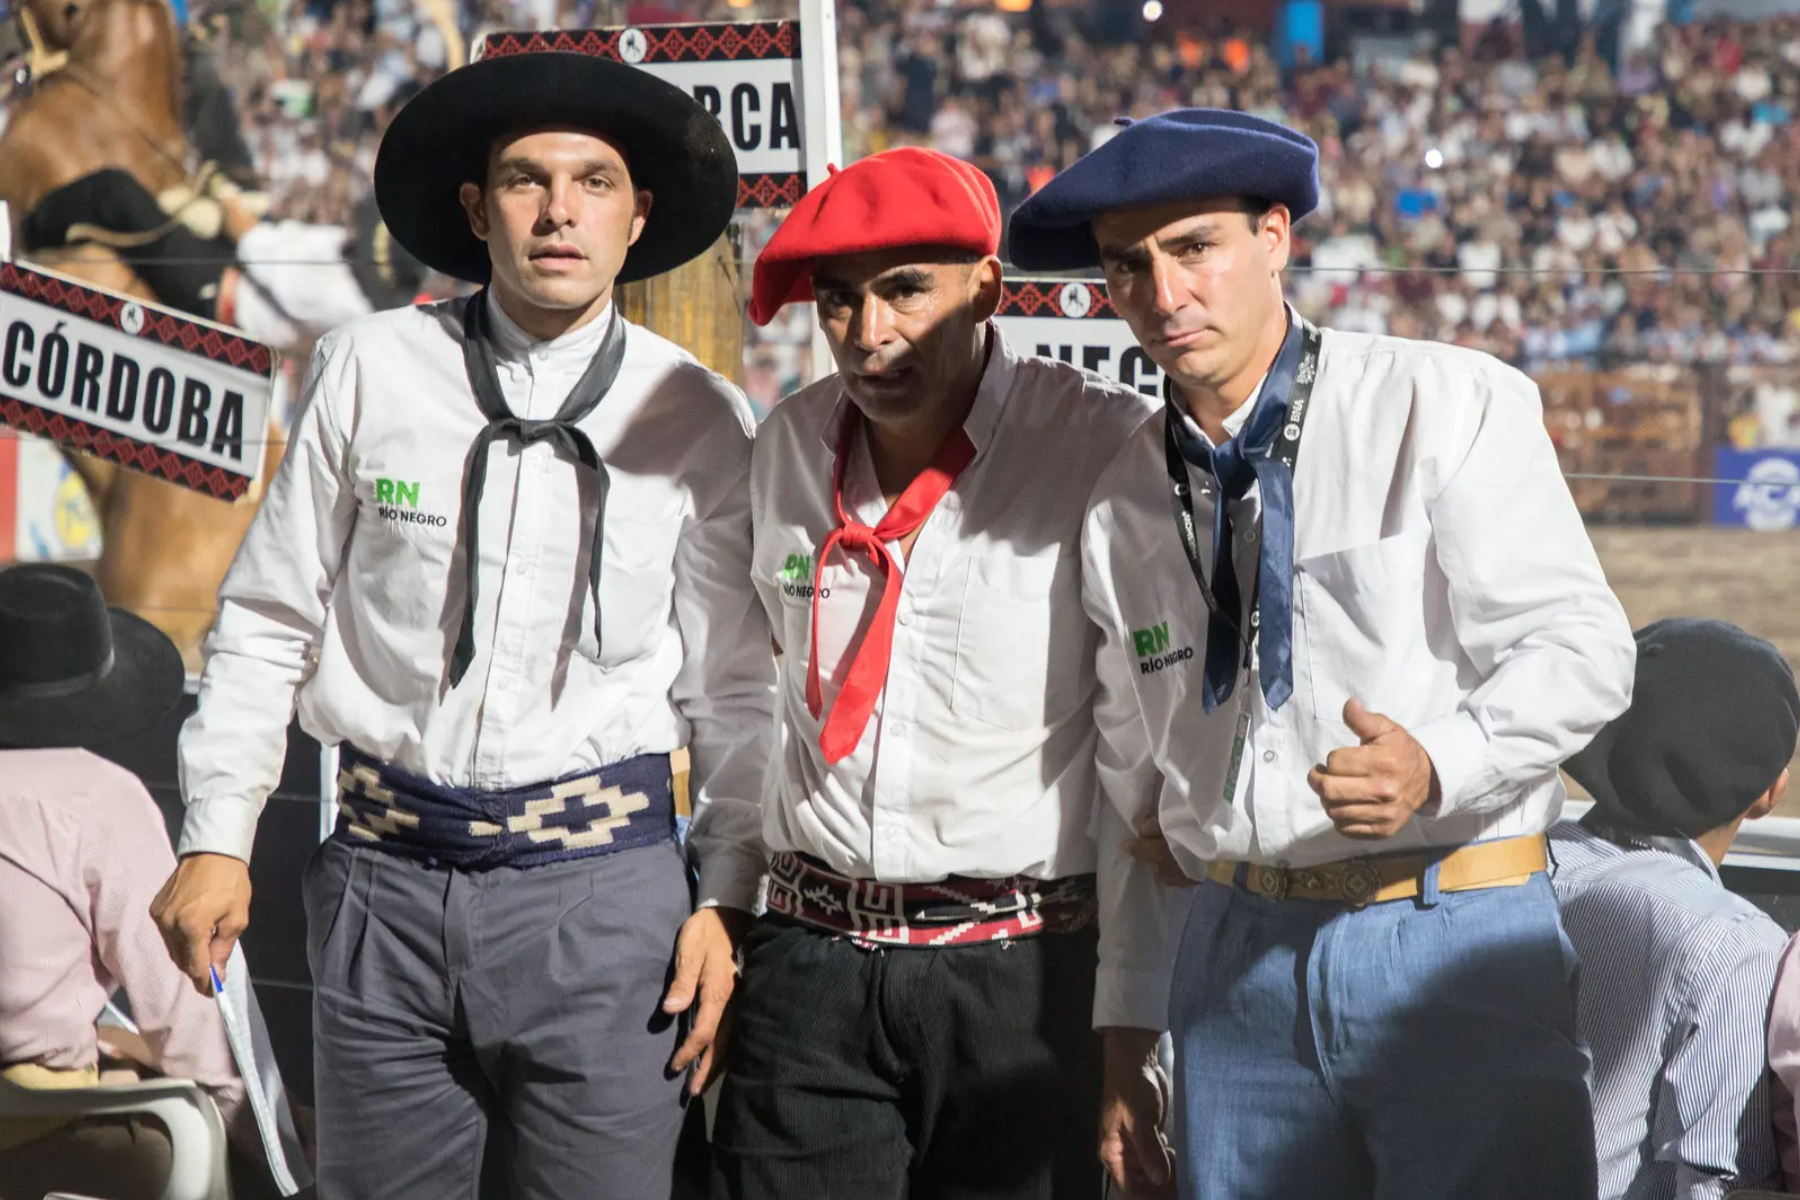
(1352, 624)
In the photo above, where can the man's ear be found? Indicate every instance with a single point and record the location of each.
(1770, 800)
(474, 203)
(641, 216)
(984, 288)
(1276, 230)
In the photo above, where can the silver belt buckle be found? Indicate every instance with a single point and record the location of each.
(1272, 882)
(1360, 882)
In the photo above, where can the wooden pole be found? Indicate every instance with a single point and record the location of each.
(697, 306)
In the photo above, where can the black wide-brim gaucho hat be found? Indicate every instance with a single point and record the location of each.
(441, 140)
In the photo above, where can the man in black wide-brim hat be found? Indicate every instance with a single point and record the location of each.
(504, 567)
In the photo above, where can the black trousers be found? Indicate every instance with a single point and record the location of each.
(962, 1073)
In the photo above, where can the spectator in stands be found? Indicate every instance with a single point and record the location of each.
(82, 851)
(1676, 971)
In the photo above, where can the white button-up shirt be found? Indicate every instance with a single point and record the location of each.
(979, 758)
(348, 589)
(1442, 576)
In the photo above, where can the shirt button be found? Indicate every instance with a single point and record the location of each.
(1268, 756)
(1249, 536)
(906, 615)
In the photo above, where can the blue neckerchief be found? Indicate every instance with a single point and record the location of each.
(1241, 461)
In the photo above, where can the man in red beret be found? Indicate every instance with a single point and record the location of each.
(919, 1002)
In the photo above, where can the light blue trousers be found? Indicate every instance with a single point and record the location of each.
(1414, 1050)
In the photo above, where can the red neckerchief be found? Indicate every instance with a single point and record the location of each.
(868, 670)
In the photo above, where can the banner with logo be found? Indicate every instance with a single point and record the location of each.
(1074, 320)
(745, 73)
(137, 384)
(1764, 489)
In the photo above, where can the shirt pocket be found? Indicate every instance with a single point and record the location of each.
(637, 587)
(1022, 645)
(1361, 609)
(407, 533)
(842, 611)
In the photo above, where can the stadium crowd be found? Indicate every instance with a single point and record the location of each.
(1556, 213)
(1550, 212)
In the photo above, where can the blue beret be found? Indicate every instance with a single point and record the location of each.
(1184, 154)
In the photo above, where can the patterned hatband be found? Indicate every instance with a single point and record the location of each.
(616, 807)
(955, 912)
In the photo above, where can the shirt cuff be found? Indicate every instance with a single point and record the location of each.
(1457, 748)
(1131, 999)
(220, 825)
(730, 877)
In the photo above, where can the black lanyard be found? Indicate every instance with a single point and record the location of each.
(1286, 451)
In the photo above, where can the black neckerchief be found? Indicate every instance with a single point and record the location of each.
(560, 431)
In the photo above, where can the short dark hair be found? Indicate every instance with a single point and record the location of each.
(1255, 209)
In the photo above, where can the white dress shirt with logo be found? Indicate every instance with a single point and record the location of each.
(348, 589)
(1442, 576)
(979, 758)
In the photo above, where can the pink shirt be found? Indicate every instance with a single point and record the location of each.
(83, 850)
(1784, 1058)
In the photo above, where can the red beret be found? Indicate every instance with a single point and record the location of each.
(904, 197)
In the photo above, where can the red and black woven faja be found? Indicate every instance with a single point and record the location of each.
(956, 912)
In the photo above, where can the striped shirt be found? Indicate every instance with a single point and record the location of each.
(1676, 974)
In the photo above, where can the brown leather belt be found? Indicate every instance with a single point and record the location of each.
(1508, 862)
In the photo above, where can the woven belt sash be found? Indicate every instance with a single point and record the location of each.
(1508, 862)
(616, 807)
(955, 912)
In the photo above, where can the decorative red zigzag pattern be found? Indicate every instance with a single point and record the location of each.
(725, 41)
(167, 328)
(773, 190)
(1043, 298)
(127, 452)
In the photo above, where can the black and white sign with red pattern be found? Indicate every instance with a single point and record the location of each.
(137, 384)
(746, 73)
(1074, 320)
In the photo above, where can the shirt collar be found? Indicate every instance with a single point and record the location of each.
(578, 346)
(1684, 848)
(984, 415)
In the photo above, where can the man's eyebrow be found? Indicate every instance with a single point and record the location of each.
(913, 277)
(1133, 252)
(531, 166)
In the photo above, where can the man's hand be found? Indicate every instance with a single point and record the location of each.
(1372, 790)
(201, 912)
(1134, 1101)
(706, 966)
(1151, 848)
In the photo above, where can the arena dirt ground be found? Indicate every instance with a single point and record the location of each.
(1750, 579)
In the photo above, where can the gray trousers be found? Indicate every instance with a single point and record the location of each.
(446, 999)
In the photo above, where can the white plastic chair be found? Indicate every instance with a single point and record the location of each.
(198, 1168)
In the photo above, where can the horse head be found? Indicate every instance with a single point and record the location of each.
(53, 33)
